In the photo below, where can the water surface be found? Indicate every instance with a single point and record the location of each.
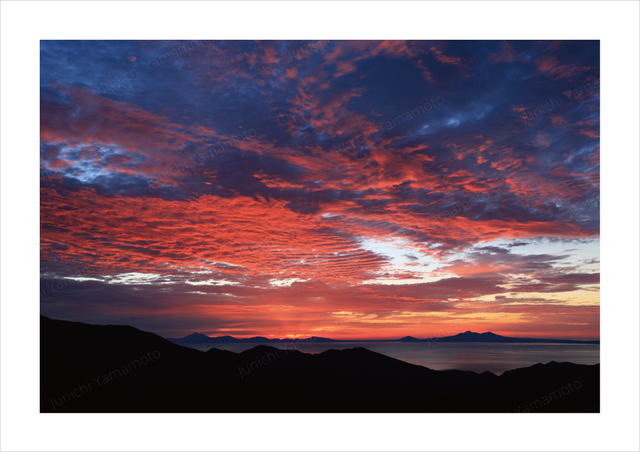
(474, 356)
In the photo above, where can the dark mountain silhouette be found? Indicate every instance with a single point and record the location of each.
(90, 368)
(491, 337)
(197, 338)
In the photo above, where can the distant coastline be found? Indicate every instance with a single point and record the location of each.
(197, 338)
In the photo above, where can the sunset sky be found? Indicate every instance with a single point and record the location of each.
(345, 189)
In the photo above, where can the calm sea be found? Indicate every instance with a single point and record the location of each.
(477, 357)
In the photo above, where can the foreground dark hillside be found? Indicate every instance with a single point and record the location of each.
(89, 368)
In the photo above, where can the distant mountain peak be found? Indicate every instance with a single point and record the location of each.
(195, 335)
(201, 338)
(473, 333)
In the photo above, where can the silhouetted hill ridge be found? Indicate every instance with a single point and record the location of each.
(122, 369)
(197, 338)
(468, 336)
